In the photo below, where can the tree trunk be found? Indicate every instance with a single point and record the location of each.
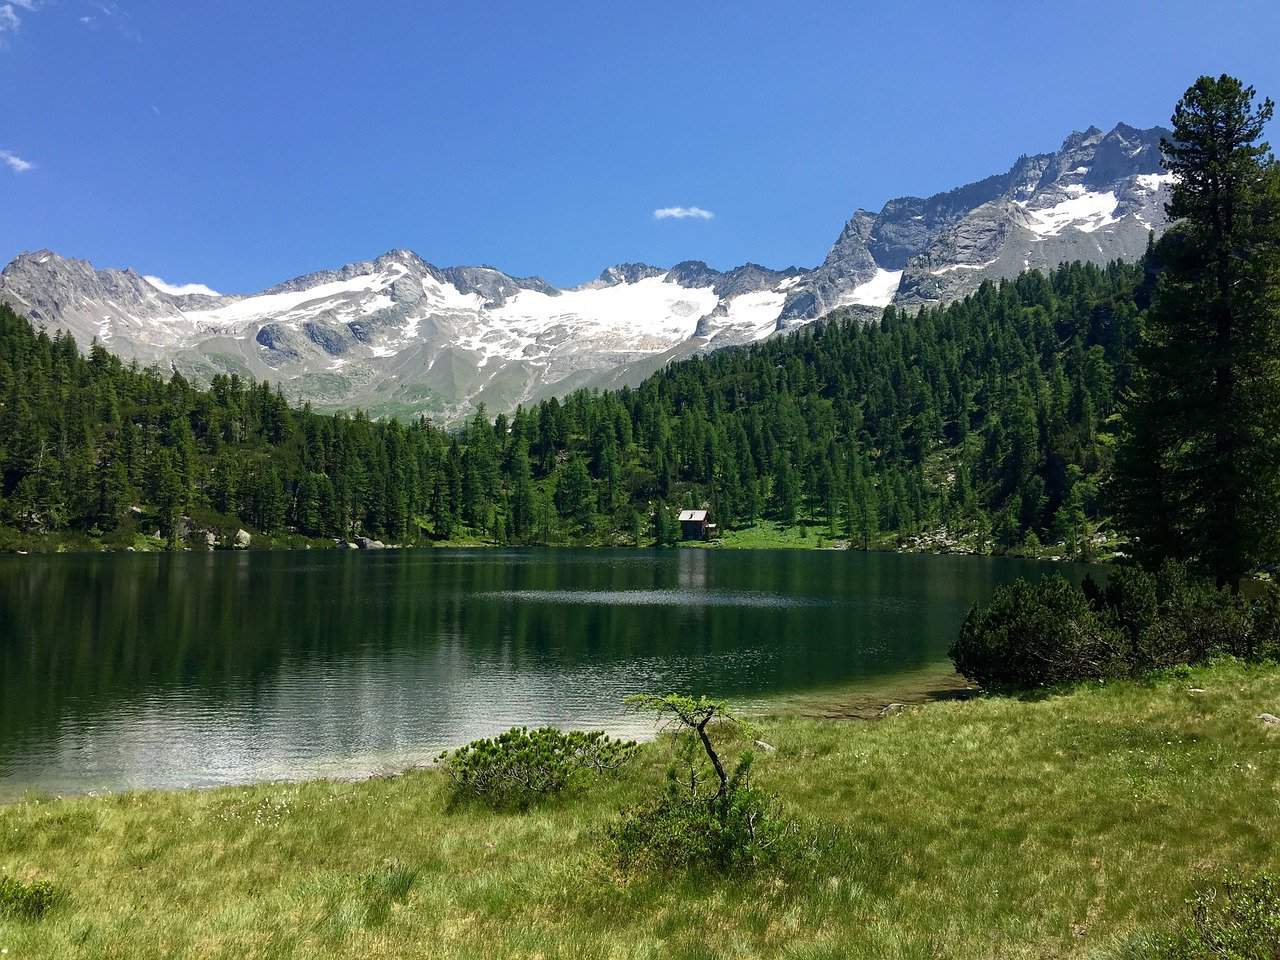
(715, 760)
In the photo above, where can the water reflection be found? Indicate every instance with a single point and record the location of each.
(201, 669)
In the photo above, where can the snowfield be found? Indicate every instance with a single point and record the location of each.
(879, 290)
(1086, 212)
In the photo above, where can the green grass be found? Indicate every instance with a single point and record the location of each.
(1053, 827)
(769, 535)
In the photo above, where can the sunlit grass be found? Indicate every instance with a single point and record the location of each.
(986, 828)
(771, 535)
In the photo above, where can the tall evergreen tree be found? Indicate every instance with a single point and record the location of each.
(1198, 473)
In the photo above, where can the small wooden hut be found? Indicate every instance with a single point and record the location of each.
(693, 525)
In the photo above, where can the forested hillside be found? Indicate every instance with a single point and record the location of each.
(989, 418)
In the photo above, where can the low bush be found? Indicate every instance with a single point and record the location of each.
(1173, 617)
(738, 830)
(707, 819)
(29, 899)
(1037, 633)
(1050, 632)
(1230, 920)
(521, 767)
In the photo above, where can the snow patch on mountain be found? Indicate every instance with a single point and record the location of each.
(643, 314)
(755, 315)
(360, 295)
(1154, 181)
(879, 291)
(951, 268)
(1086, 211)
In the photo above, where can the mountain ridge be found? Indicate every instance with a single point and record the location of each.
(401, 336)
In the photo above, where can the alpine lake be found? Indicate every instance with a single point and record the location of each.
(139, 671)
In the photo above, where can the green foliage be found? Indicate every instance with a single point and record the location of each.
(742, 830)
(521, 767)
(990, 408)
(731, 828)
(1037, 633)
(1198, 471)
(1173, 617)
(1230, 920)
(1049, 631)
(689, 718)
(29, 899)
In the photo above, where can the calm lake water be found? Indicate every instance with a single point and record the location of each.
(160, 670)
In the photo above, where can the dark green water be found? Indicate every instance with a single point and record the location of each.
(199, 669)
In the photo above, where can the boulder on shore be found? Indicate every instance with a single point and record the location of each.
(242, 539)
(364, 543)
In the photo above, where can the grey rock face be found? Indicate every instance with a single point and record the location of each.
(627, 273)
(1094, 199)
(494, 286)
(849, 264)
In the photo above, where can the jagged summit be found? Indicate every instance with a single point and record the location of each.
(399, 335)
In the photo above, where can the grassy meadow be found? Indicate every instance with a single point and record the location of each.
(1059, 826)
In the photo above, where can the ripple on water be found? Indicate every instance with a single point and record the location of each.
(659, 598)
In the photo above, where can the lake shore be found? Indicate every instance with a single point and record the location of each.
(766, 535)
(1052, 826)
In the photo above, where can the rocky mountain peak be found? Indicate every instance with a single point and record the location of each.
(628, 273)
(398, 335)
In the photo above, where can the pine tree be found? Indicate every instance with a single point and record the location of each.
(573, 492)
(522, 501)
(1198, 474)
(786, 493)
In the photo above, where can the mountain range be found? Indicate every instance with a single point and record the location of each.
(399, 336)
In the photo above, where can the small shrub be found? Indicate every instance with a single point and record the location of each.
(738, 830)
(1037, 634)
(1230, 920)
(717, 823)
(27, 900)
(521, 767)
(1264, 633)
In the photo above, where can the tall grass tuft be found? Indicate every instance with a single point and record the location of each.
(28, 900)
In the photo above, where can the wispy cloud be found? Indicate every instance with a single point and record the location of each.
(111, 15)
(12, 160)
(181, 289)
(9, 19)
(11, 14)
(682, 213)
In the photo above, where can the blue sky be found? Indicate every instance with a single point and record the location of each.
(239, 144)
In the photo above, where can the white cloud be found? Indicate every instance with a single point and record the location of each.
(682, 213)
(181, 290)
(13, 161)
(9, 19)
